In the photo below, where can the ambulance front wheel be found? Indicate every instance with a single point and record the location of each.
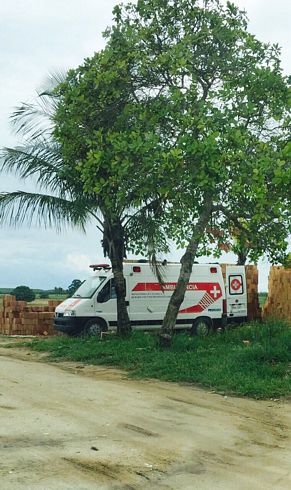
(94, 327)
(201, 327)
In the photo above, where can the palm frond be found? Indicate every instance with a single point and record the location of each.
(21, 207)
(157, 267)
(41, 160)
(54, 79)
(33, 120)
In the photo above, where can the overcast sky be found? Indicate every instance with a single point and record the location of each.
(38, 37)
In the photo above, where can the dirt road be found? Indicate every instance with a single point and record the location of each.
(63, 426)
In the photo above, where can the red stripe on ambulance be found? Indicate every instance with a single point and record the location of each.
(212, 292)
(203, 304)
(212, 288)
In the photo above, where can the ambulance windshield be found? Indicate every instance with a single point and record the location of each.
(88, 288)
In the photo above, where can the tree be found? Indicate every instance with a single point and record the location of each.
(82, 142)
(72, 288)
(59, 290)
(23, 293)
(222, 120)
(109, 142)
(44, 295)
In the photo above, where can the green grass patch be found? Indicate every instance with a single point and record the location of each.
(262, 298)
(252, 360)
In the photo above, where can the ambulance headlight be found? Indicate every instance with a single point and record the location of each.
(69, 313)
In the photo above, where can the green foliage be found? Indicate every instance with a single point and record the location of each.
(287, 261)
(44, 295)
(111, 146)
(220, 107)
(251, 360)
(23, 293)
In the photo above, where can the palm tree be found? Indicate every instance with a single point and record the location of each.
(61, 200)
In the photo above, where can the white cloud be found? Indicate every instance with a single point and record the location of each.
(78, 262)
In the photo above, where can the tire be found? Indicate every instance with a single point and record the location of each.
(201, 327)
(94, 327)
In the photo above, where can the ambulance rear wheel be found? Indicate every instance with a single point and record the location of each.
(201, 327)
(94, 327)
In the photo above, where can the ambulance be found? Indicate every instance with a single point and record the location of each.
(212, 299)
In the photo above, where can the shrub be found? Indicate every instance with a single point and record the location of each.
(23, 293)
(44, 295)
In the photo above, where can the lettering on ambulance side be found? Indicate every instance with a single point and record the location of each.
(212, 292)
(170, 286)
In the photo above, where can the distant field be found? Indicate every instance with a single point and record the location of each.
(5, 291)
(59, 297)
(262, 298)
(40, 301)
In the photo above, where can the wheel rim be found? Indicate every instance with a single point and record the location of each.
(94, 329)
(202, 328)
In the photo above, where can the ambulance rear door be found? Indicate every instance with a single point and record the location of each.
(236, 291)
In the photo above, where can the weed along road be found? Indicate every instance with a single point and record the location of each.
(66, 426)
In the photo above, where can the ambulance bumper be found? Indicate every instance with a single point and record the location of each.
(68, 324)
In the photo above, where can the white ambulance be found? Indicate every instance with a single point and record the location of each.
(211, 300)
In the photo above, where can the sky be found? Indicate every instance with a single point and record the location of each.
(37, 38)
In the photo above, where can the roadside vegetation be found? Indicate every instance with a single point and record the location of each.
(251, 360)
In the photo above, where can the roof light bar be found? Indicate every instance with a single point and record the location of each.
(98, 267)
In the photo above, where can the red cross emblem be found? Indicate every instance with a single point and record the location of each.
(235, 284)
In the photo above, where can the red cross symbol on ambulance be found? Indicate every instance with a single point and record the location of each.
(235, 284)
(215, 292)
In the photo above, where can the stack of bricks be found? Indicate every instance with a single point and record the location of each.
(278, 303)
(252, 278)
(254, 309)
(20, 318)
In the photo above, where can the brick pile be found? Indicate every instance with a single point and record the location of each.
(20, 318)
(278, 304)
(252, 278)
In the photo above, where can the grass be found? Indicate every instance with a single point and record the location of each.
(251, 360)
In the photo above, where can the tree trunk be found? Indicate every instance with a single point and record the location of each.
(114, 247)
(242, 258)
(187, 261)
(123, 321)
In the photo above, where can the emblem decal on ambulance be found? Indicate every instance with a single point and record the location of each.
(207, 299)
(236, 284)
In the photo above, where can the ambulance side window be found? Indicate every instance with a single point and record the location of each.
(113, 294)
(107, 292)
